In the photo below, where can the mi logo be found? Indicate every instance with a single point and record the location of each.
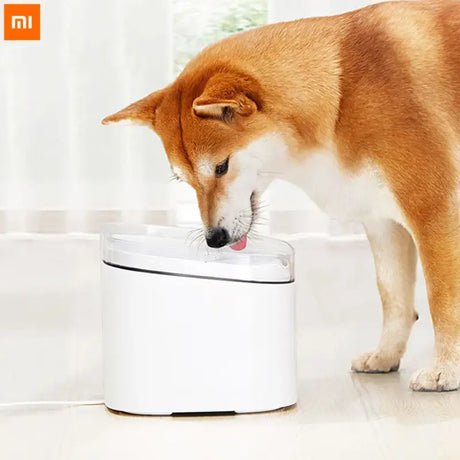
(21, 22)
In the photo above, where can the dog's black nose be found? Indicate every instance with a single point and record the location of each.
(217, 237)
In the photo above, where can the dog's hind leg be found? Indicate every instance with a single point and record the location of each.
(395, 258)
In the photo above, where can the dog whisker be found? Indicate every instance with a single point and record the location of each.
(195, 238)
(192, 236)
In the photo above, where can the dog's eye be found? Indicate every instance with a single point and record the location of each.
(222, 168)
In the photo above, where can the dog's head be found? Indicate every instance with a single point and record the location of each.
(219, 140)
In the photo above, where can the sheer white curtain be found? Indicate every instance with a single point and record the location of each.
(58, 165)
(60, 170)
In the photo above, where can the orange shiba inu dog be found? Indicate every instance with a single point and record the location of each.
(362, 111)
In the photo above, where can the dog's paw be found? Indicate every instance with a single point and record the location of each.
(375, 363)
(436, 378)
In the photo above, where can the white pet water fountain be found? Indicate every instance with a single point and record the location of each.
(191, 330)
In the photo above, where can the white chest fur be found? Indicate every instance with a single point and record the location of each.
(342, 195)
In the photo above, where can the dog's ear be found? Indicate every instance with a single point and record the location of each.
(141, 112)
(225, 96)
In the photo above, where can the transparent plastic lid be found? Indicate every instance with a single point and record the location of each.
(181, 252)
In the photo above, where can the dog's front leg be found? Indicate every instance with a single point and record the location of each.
(395, 258)
(438, 242)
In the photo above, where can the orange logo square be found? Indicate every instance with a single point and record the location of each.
(21, 22)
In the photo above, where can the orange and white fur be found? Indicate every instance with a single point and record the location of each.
(362, 111)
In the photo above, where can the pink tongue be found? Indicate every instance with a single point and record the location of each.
(240, 244)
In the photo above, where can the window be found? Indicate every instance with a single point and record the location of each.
(197, 24)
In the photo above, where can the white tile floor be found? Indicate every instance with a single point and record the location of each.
(50, 350)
